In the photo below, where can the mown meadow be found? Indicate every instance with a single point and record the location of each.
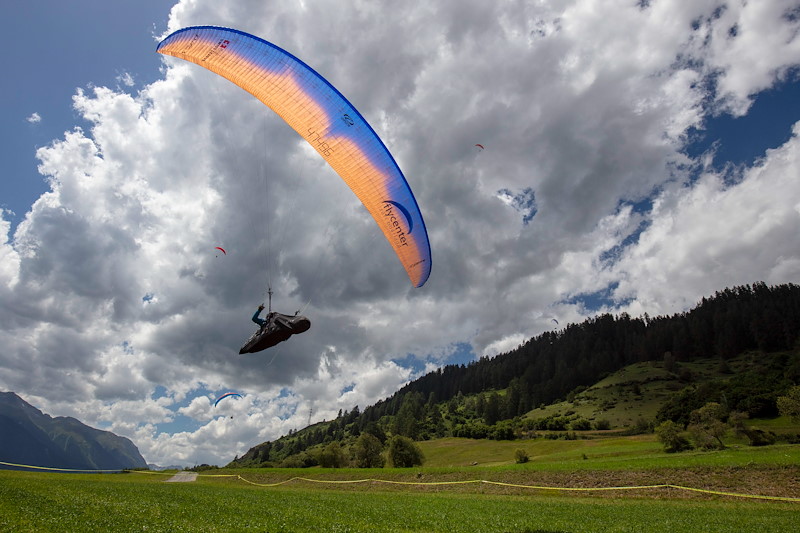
(608, 452)
(39, 501)
(134, 502)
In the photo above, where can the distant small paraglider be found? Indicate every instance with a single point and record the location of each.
(226, 395)
(554, 321)
(480, 147)
(221, 250)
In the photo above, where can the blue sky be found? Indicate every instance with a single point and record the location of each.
(61, 46)
(767, 124)
(595, 192)
(734, 141)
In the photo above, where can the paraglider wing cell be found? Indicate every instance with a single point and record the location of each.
(324, 118)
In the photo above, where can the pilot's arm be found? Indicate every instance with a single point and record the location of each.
(256, 319)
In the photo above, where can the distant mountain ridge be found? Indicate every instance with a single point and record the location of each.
(30, 437)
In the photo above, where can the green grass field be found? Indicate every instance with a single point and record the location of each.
(40, 502)
(600, 453)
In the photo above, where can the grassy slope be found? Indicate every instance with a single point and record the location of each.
(614, 398)
(639, 452)
(454, 452)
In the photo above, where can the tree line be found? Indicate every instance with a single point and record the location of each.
(547, 367)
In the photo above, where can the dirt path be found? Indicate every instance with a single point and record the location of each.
(183, 477)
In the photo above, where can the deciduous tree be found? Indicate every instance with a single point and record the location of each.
(368, 452)
(404, 452)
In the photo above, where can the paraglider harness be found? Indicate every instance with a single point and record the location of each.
(276, 328)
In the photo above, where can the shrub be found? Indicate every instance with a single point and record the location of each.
(759, 437)
(300, 460)
(332, 456)
(581, 424)
(556, 423)
(641, 426)
(602, 424)
(521, 456)
(471, 430)
(404, 452)
(789, 405)
(669, 433)
(203, 468)
(502, 431)
(707, 427)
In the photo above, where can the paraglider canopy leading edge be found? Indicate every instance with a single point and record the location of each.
(324, 118)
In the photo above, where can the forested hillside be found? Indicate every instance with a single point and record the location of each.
(554, 364)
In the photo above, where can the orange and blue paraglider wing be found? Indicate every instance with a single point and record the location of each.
(324, 118)
(227, 395)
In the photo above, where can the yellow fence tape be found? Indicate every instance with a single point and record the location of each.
(61, 469)
(534, 487)
(434, 483)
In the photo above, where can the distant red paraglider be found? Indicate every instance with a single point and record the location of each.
(479, 146)
(221, 250)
